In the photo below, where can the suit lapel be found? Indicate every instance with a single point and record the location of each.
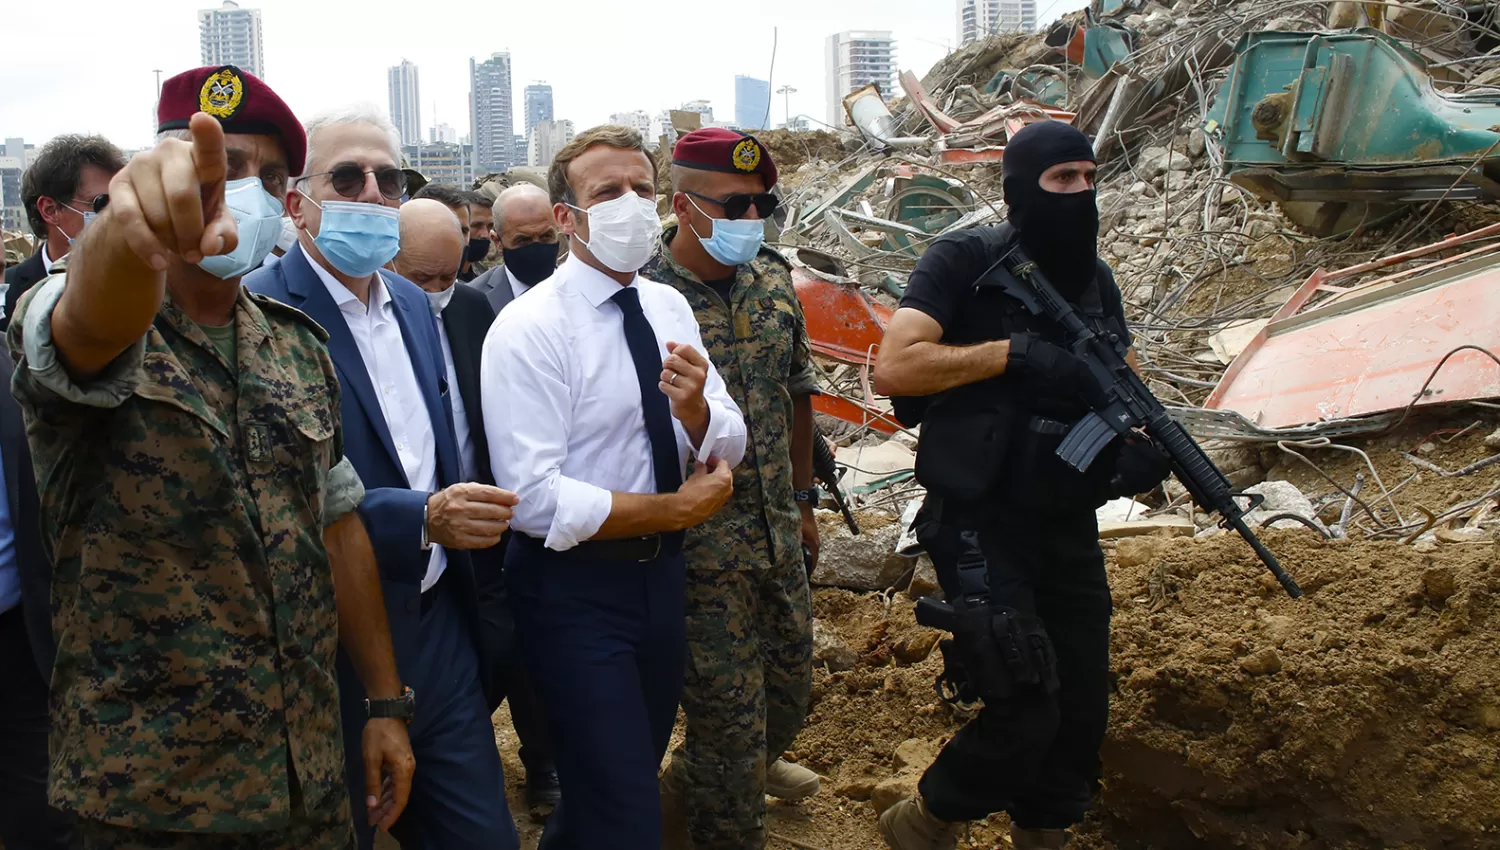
(429, 376)
(12, 432)
(461, 338)
(311, 297)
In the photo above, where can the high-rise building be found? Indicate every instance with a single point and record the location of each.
(442, 162)
(982, 18)
(547, 138)
(490, 114)
(638, 121)
(230, 35)
(12, 166)
(442, 134)
(538, 105)
(855, 59)
(406, 102)
(702, 108)
(752, 103)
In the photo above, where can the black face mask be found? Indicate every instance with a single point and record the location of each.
(479, 248)
(534, 263)
(1060, 232)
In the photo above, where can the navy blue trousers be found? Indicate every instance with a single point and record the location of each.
(606, 647)
(458, 793)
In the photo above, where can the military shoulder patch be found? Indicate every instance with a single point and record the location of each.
(223, 93)
(746, 155)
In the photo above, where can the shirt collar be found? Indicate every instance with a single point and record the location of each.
(595, 286)
(516, 286)
(46, 258)
(379, 296)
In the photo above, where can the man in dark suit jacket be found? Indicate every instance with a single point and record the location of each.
(59, 190)
(26, 647)
(399, 434)
(432, 248)
(529, 246)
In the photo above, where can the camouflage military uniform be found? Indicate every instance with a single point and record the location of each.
(749, 619)
(183, 500)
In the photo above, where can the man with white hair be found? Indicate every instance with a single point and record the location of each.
(399, 434)
(527, 235)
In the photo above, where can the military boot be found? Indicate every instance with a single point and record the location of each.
(1040, 839)
(791, 782)
(909, 826)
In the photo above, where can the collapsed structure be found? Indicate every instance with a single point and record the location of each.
(1299, 200)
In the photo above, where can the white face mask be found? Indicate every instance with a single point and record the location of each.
(439, 300)
(624, 233)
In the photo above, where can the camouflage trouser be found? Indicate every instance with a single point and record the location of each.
(749, 673)
(301, 835)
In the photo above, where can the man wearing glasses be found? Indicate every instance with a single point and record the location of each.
(399, 434)
(60, 190)
(749, 619)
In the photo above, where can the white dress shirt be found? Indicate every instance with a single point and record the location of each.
(517, 288)
(460, 409)
(383, 351)
(562, 404)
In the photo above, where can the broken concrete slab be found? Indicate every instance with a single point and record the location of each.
(866, 562)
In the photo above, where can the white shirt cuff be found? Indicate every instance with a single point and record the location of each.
(581, 511)
(724, 438)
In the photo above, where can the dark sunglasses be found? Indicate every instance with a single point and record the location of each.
(735, 206)
(349, 181)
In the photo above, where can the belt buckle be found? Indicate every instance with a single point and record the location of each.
(654, 553)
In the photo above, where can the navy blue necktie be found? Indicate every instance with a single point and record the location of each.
(646, 354)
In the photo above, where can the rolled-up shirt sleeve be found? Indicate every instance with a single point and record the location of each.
(109, 389)
(725, 437)
(344, 493)
(527, 419)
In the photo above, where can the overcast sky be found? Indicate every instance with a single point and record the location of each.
(600, 56)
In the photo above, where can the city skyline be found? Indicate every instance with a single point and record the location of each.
(316, 59)
(406, 101)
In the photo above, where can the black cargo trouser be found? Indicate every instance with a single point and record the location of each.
(1036, 757)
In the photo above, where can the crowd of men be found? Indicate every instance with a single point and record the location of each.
(300, 490)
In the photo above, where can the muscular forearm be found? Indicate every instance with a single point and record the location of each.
(639, 514)
(924, 368)
(802, 442)
(363, 631)
(110, 301)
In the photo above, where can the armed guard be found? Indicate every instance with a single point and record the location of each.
(1009, 524)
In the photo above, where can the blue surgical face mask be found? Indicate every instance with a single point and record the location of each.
(733, 243)
(357, 238)
(88, 218)
(257, 215)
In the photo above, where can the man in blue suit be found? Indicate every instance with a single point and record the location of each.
(398, 432)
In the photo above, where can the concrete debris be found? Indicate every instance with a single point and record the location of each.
(866, 562)
(830, 651)
(1281, 497)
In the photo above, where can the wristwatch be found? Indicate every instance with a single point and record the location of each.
(403, 707)
(811, 494)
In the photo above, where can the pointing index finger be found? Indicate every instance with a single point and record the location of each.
(208, 148)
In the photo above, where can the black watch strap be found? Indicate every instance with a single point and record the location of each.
(403, 707)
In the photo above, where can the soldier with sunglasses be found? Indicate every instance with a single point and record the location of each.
(749, 623)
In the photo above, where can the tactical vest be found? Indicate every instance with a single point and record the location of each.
(993, 443)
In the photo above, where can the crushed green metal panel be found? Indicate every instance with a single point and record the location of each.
(1360, 99)
(1105, 45)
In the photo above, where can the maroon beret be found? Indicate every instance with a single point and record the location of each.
(241, 102)
(717, 149)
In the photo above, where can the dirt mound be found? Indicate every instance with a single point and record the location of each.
(1366, 715)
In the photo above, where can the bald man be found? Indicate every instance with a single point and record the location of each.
(527, 235)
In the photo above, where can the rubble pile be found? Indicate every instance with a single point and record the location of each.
(1363, 716)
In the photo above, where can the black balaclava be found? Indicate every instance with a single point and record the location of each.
(1059, 231)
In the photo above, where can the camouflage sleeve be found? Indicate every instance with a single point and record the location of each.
(803, 379)
(345, 492)
(43, 369)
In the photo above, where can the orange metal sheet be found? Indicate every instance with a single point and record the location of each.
(977, 156)
(1371, 348)
(843, 322)
(849, 411)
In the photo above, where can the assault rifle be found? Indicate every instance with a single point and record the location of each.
(825, 470)
(1131, 409)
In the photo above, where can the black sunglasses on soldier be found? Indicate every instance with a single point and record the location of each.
(349, 181)
(735, 206)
